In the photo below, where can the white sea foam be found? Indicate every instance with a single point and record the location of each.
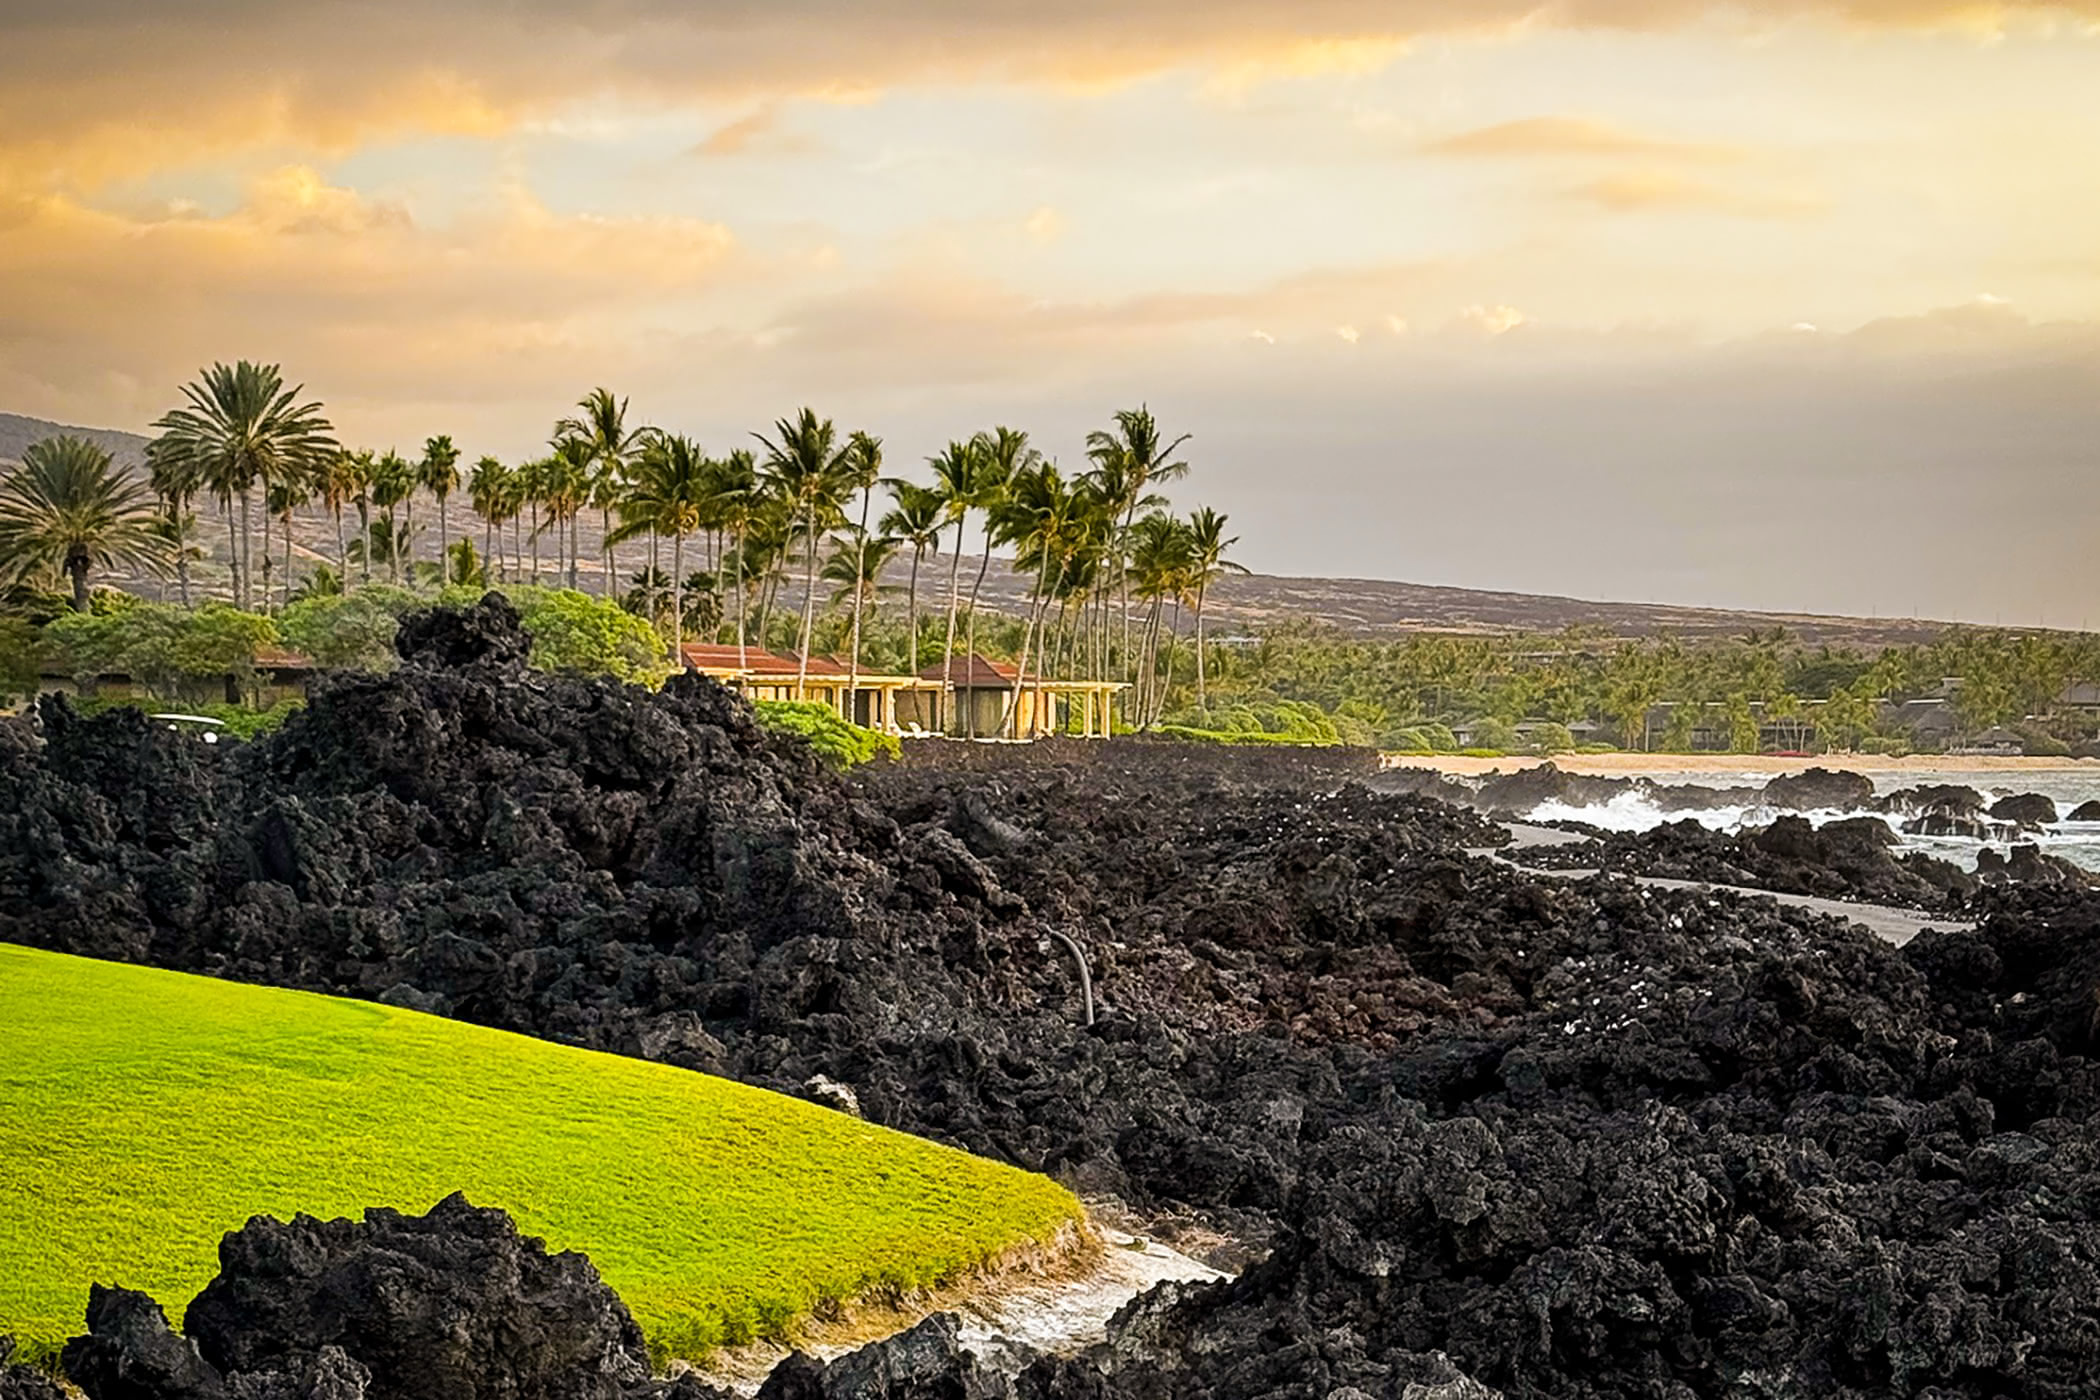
(1637, 810)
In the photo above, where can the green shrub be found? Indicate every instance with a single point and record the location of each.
(837, 742)
(1551, 739)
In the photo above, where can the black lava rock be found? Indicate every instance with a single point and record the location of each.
(1586, 1140)
(455, 1302)
(2026, 808)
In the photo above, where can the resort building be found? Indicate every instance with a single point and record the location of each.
(971, 701)
(979, 691)
(870, 699)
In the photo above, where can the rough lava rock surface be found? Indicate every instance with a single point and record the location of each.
(455, 1303)
(1495, 1132)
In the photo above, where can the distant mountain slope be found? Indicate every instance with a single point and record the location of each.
(17, 432)
(1361, 607)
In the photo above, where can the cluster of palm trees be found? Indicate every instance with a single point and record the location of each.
(1108, 571)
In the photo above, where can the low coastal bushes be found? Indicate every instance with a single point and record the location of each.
(148, 1113)
(838, 743)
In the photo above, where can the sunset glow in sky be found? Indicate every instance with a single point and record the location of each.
(1786, 305)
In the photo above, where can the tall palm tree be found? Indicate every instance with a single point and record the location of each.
(734, 501)
(394, 481)
(534, 481)
(1159, 567)
(240, 427)
(673, 479)
(1207, 562)
(958, 473)
(438, 473)
(915, 519)
(601, 421)
(807, 466)
(1037, 517)
(568, 487)
(284, 497)
(176, 478)
(338, 483)
(363, 469)
(1005, 453)
(488, 493)
(862, 469)
(1132, 458)
(67, 511)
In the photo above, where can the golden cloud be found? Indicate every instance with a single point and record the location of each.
(105, 87)
(1570, 136)
(1645, 191)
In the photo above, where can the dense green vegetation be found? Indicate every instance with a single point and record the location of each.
(147, 1113)
(838, 743)
(1758, 691)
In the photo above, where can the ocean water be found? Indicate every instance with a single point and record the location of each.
(2077, 842)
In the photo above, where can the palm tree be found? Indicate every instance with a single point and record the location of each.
(670, 496)
(241, 426)
(438, 473)
(862, 468)
(1036, 516)
(1207, 546)
(855, 567)
(1159, 565)
(1130, 460)
(393, 481)
(284, 497)
(568, 486)
(176, 478)
(601, 422)
(534, 481)
(733, 503)
(808, 469)
(1005, 453)
(916, 520)
(67, 511)
(959, 476)
(340, 481)
(488, 493)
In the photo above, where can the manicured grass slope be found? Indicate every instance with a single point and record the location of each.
(143, 1114)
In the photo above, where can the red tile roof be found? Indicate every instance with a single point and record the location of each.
(707, 656)
(975, 670)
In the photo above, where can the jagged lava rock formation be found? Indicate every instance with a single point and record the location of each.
(1580, 1139)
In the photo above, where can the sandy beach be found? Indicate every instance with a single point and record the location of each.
(1627, 765)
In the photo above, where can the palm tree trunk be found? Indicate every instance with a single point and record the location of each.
(983, 566)
(575, 550)
(677, 595)
(860, 583)
(649, 590)
(364, 530)
(405, 545)
(489, 562)
(244, 583)
(535, 542)
(809, 600)
(77, 571)
(182, 557)
(1202, 699)
(911, 653)
(287, 523)
(1035, 611)
(738, 546)
(444, 545)
(342, 550)
(948, 647)
(605, 547)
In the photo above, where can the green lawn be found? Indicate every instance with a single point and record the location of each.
(143, 1114)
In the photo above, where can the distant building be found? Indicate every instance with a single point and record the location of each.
(1995, 743)
(976, 696)
(870, 699)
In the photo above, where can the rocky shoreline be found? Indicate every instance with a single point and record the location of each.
(1484, 1132)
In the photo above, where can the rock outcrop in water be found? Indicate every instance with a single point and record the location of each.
(1585, 1140)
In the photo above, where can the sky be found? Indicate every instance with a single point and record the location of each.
(1788, 305)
